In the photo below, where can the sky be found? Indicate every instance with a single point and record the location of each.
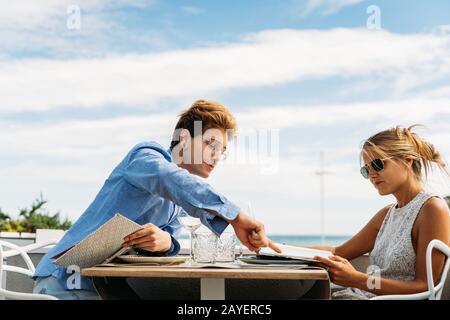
(82, 82)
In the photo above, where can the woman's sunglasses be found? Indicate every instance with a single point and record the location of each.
(376, 164)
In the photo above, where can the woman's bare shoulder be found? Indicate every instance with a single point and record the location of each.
(436, 209)
(380, 215)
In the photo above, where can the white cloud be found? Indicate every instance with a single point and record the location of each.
(384, 112)
(266, 58)
(23, 14)
(39, 28)
(442, 29)
(328, 7)
(442, 92)
(34, 15)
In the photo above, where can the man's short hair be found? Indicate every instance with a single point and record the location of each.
(212, 115)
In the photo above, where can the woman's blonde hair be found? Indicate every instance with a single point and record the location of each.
(401, 144)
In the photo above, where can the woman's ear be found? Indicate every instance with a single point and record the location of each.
(409, 163)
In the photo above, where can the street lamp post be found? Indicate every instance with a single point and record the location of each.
(322, 173)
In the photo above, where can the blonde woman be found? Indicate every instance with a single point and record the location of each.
(396, 162)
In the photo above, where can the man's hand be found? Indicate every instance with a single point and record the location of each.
(150, 238)
(251, 233)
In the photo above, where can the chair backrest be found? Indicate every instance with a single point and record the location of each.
(15, 250)
(435, 292)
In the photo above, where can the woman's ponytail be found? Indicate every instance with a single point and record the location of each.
(427, 154)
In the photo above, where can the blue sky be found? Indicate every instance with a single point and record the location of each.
(310, 72)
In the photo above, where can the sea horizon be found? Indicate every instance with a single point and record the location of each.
(305, 240)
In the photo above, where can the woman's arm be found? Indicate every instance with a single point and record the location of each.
(362, 242)
(331, 249)
(433, 223)
(344, 274)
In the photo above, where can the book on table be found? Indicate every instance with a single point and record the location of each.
(290, 252)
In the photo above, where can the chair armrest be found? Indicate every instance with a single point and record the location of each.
(415, 296)
(25, 296)
(15, 249)
(43, 244)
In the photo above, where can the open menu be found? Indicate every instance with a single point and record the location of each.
(294, 252)
(101, 246)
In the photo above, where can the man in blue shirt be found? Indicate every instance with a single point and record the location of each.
(151, 186)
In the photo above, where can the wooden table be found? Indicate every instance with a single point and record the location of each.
(212, 280)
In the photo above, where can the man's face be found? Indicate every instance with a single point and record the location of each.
(205, 151)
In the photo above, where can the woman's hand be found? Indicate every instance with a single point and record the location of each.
(150, 238)
(342, 272)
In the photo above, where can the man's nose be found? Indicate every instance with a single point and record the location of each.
(215, 156)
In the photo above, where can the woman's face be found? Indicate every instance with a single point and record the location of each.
(391, 178)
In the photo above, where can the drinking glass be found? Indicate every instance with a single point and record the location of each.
(226, 246)
(190, 224)
(204, 247)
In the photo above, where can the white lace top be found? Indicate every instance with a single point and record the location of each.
(393, 254)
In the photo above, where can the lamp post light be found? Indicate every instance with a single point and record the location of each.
(322, 173)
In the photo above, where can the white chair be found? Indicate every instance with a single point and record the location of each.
(15, 250)
(434, 292)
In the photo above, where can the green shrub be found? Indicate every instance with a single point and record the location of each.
(35, 217)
